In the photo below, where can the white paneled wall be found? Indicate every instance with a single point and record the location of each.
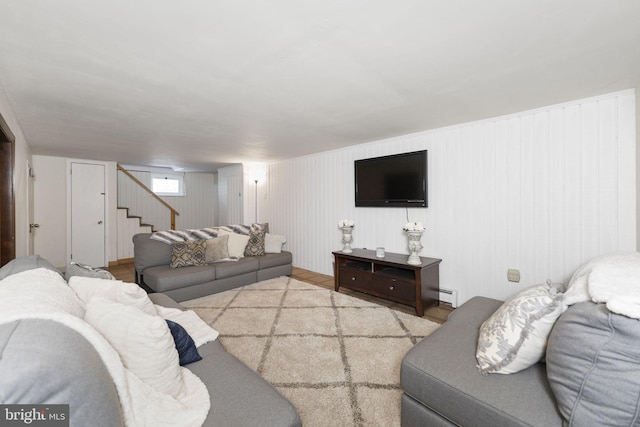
(540, 191)
(140, 202)
(197, 208)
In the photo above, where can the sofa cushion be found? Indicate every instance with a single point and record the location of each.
(593, 366)
(275, 260)
(235, 268)
(239, 396)
(440, 373)
(185, 254)
(515, 336)
(25, 263)
(163, 278)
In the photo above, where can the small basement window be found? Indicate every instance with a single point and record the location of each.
(167, 184)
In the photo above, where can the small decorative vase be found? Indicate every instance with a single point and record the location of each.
(414, 247)
(346, 239)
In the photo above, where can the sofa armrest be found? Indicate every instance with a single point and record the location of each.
(164, 300)
(149, 253)
(45, 362)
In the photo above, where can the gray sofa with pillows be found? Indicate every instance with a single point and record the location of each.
(589, 374)
(158, 267)
(45, 362)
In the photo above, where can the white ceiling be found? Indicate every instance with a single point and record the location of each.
(198, 83)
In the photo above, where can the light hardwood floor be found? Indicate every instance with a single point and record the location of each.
(126, 272)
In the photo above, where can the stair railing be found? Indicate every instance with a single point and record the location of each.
(154, 195)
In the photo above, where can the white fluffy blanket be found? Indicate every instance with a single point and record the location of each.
(612, 279)
(43, 294)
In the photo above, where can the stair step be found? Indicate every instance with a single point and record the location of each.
(139, 218)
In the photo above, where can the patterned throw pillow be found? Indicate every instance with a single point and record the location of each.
(255, 246)
(184, 254)
(515, 336)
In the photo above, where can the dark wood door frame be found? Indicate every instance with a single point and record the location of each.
(7, 198)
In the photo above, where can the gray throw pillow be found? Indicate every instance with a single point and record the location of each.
(217, 249)
(82, 270)
(593, 366)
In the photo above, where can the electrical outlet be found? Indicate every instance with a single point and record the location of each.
(513, 275)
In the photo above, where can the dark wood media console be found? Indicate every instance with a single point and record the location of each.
(389, 277)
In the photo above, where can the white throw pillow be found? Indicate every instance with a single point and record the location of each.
(144, 342)
(273, 243)
(115, 290)
(515, 336)
(236, 244)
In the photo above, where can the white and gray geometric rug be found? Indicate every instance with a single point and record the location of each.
(335, 357)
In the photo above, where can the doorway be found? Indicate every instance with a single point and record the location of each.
(7, 200)
(87, 214)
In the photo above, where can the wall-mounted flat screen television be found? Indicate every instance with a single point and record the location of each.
(399, 180)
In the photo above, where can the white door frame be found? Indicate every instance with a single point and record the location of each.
(30, 208)
(106, 206)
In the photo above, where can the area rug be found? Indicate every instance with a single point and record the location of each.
(335, 357)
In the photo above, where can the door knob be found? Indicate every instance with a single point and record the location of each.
(31, 226)
(99, 222)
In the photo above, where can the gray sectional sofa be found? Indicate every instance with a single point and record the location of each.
(590, 377)
(46, 362)
(152, 259)
(443, 387)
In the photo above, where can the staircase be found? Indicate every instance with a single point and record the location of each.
(128, 226)
(144, 200)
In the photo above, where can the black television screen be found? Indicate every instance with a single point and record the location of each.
(399, 180)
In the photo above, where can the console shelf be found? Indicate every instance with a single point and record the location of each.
(390, 277)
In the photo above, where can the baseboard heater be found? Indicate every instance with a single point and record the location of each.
(450, 296)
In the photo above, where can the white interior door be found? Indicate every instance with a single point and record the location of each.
(88, 214)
